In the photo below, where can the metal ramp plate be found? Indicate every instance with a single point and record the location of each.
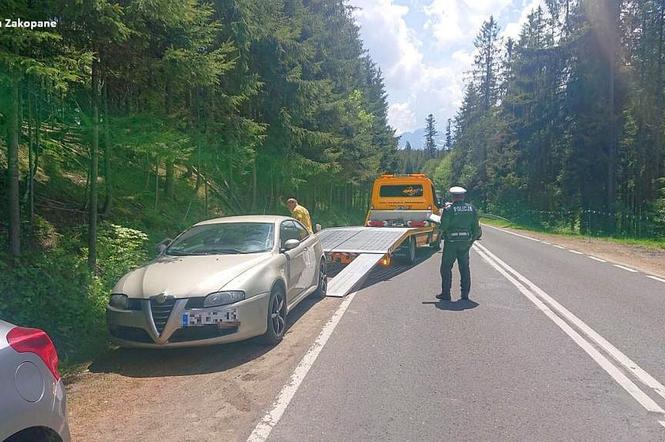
(362, 239)
(352, 275)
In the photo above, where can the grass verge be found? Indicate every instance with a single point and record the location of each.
(655, 244)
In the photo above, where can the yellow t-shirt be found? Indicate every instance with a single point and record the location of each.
(302, 215)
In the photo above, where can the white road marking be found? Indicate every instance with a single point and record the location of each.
(618, 356)
(272, 417)
(512, 233)
(655, 278)
(597, 259)
(625, 268)
(548, 243)
(628, 385)
(575, 252)
(662, 423)
(559, 247)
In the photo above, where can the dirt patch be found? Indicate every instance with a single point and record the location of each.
(646, 259)
(211, 393)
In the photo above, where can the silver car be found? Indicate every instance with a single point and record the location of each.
(32, 397)
(222, 280)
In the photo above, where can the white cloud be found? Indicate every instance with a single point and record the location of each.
(401, 117)
(415, 87)
(393, 45)
(424, 71)
(454, 21)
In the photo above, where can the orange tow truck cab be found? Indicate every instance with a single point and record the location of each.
(406, 201)
(402, 201)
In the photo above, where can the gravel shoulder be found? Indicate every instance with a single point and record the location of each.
(208, 393)
(647, 259)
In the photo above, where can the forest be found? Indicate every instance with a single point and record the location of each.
(131, 120)
(564, 127)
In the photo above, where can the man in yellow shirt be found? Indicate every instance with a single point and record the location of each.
(300, 213)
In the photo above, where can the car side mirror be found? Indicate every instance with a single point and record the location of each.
(163, 245)
(317, 228)
(290, 244)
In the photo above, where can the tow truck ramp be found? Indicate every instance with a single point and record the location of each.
(369, 244)
(352, 275)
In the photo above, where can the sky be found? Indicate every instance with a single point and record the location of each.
(425, 50)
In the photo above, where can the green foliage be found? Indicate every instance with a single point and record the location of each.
(195, 109)
(568, 119)
(52, 289)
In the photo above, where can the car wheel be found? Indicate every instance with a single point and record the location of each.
(322, 288)
(276, 317)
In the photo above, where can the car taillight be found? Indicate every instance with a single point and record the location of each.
(372, 223)
(33, 340)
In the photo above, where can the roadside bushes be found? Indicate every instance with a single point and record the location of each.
(51, 287)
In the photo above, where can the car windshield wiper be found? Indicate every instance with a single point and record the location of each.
(229, 250)
(175, 253)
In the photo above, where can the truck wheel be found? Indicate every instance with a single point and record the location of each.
(409, 256)
(436, 245)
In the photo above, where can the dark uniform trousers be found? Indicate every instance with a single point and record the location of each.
(455, 251)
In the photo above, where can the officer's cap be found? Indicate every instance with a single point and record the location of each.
(457, 190)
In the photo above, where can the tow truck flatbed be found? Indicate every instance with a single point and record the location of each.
(366, 246)
(363, 239)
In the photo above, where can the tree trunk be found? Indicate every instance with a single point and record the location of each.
(156, 182)
(170, 180)
(12, 172)
(108, 179)
(94, 172)
(254, 186)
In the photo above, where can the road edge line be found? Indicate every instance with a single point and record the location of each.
(263, 429)
(615, 373)
(630, 365)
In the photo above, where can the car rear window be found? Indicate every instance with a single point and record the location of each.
(401, 191)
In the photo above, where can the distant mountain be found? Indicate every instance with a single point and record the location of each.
(417, 139)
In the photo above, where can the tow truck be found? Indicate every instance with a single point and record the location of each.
(399, 221)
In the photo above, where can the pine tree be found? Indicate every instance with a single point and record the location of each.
(431, 150)
(449, 134)
(486, 62)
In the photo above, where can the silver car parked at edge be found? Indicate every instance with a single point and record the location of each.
(222, 280)
(32, 397)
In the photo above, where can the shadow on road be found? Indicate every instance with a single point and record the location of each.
(141, 363)
(454, 306)
(380, 273)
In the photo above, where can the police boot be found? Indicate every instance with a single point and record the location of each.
(443, 297)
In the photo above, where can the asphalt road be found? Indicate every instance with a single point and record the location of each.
(554, 345)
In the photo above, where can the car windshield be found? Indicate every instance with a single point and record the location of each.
(224, 239)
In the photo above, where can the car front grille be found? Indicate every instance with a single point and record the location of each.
(161, 312)
(201, 332)
(134, 334)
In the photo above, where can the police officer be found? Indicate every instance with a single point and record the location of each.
(459, 228)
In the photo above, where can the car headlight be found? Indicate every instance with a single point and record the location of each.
(119, 301)
(223, 298)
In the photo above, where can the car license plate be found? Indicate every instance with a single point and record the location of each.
(209, 317)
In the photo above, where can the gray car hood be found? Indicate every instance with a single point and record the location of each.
(186, 276)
